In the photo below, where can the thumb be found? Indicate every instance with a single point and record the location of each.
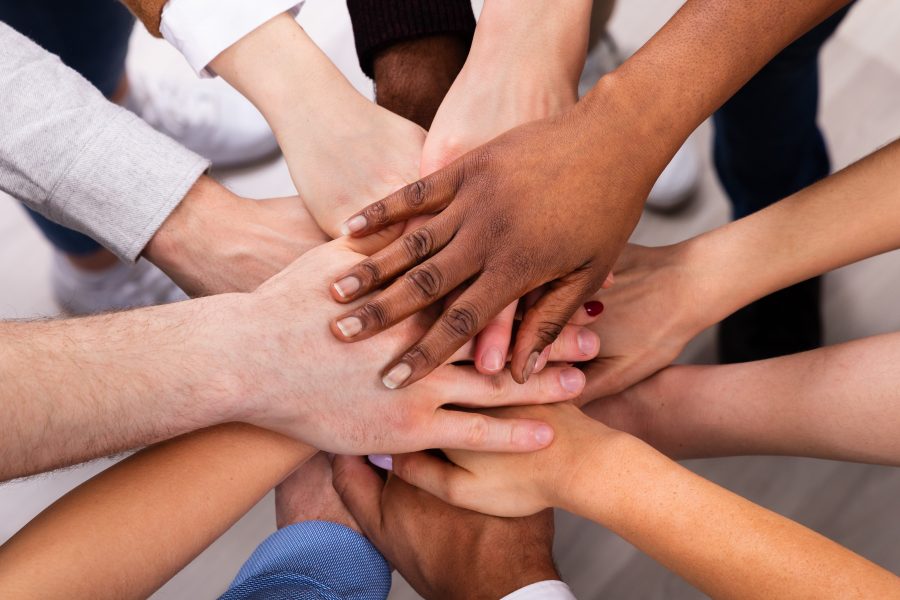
(359, 487)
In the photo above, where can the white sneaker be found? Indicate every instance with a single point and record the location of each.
(80, 292)
(679, 180)
(206, 115)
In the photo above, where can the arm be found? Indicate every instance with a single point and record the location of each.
(663, 297)
(723, 544)
(412, 50)
(565, 192)
(838, 403)
(134, 526)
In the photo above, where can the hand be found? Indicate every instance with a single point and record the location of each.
(659, 303)
(539, 204)
(321, 391)
(308, 495)
(515, 485)
(442, 551)
(215, 241)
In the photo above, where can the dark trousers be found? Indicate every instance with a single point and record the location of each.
(768, 146)
(91, 37)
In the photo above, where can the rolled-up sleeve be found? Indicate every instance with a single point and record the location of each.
(311, 561)
(79, 160)
(201, 30)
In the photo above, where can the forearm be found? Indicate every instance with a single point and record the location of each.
(698, 60)
(723, 544)
(134, 526)
(83, 388)
(838, 402)
(840, 220)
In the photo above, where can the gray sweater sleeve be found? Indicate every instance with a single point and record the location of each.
(79, 160)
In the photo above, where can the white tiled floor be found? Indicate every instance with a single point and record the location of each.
(853, 504)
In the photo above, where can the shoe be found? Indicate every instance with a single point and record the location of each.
(207, 116)
(786, 322)
(678, 182)
(122, 286)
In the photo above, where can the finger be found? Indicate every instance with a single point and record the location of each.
(574, 344)
(360, 490)
(464, 386)
(428, 195)
(438, 477)
(542, 360)
(401, 255)
(473, 431)
(457, 325)
(492, 344)
(609, 376)
(545, 321)
(589, 312)
(414, 291)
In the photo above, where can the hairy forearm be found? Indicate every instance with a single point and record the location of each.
(725, 545)
(838, 402)
(137, 524)
(698, 60)
(82, 388)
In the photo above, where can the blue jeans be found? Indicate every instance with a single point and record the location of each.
(768, 146)
(91, 37)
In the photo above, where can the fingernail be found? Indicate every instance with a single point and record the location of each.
(542, 360)
(543, 435)
(593, 308)
(572, 380)
(353, 225)
(492, 359)
(350, 326)
(529, 366)
(587, 342)
(347, 286)
(382, 461)
(397, 376)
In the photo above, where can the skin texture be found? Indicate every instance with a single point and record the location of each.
(497, 210)
(721, 543)
(663, 297)
(838, 403)
(215, 241)
(443, 551)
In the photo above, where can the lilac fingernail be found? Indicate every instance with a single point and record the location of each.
(382, 461)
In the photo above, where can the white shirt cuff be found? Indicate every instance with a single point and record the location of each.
(201, 30)
(543, 590)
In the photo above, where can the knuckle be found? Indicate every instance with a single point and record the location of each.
(374, 312)
(420, 355)
(377, 213)
(477, 432)
(370, 270)
(461, 320)
(415, 194)
(419, 243)
(548, 331)
(427, 280)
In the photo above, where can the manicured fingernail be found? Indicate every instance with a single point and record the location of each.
(347, 286)
(593, 308)
(397, 376)
(350, 326)
(353, 225)
(492, 359)
(572, 380)
(382, 461)
(529, 366)
(543, 435)
(587, 342)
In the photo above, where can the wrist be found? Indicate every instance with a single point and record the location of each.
(513, 576)
(413, 77)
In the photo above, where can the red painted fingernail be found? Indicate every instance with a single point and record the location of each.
(593, 308)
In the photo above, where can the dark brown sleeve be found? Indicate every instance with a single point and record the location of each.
(378, 24)
(149, 12)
